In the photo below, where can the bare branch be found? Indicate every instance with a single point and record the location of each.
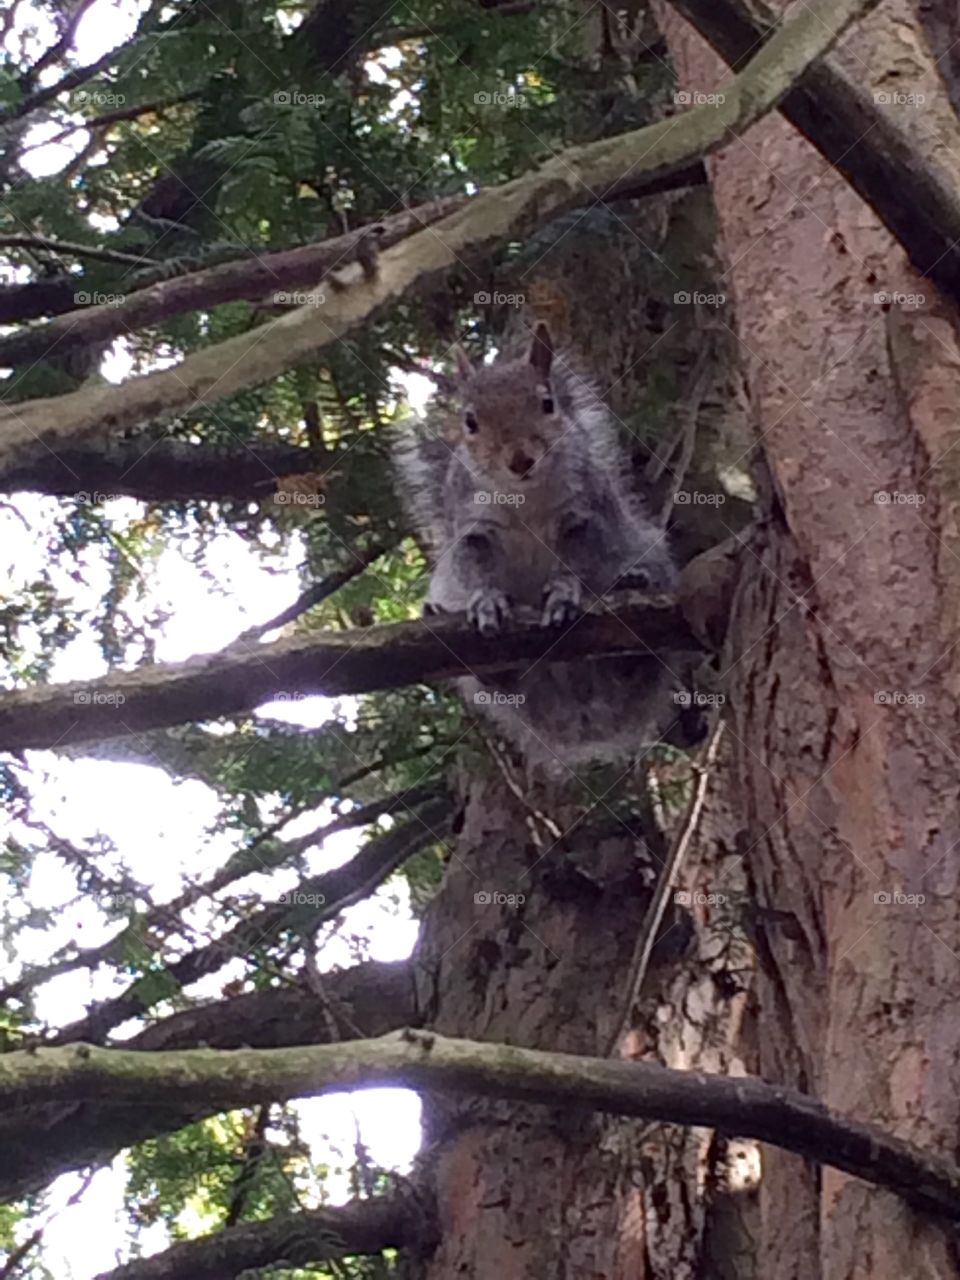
(162, 919)
(359, 1227)
(319, 592)
(738, 1106)
(329, 663)
(250, 278)
(158, 469)
(70, 249)
(38, 1145)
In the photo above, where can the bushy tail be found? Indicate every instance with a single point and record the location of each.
(421, 453)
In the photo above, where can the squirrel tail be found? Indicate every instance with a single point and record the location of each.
(421, 454)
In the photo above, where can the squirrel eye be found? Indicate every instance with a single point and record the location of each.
(470, 422)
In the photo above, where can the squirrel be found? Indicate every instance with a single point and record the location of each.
(533, 505)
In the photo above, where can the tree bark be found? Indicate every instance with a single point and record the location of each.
(843, 675)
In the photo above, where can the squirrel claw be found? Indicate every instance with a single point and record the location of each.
(488, 610)
(561, 604)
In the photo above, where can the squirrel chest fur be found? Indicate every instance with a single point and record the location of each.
(534, 506)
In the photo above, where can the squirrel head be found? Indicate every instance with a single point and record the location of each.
(510, 416)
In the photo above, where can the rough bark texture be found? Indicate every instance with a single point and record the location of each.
(844, 677)
(526, 1191)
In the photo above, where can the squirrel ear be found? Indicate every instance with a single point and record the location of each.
(465, 369)
(541, 352)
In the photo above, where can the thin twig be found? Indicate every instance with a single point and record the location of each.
(647, 936)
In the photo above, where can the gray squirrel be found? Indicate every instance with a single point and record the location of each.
(533, 505)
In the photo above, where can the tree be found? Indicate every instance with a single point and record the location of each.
(760, 904)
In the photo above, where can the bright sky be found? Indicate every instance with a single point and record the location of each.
(161, 828)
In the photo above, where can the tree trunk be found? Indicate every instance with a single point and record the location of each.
(525, 1192)
(843, 673)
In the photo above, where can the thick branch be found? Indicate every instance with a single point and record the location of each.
(330, 663)
(738, 1106)
(156, 470)
(884, 163)
(20, 302)
(360, 1227)
(580, 176)
(250, 278)
(368, 1000)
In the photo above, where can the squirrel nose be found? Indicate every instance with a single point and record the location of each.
(520, 464)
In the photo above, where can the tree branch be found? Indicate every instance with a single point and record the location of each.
(359, 1227)
(249, 278)
(885, 164)
(737, 1106)
(329, 663)
(157, 469)
(164, 918)
(319, 592)
(76, 76)
(39, 1145)
(579, 176)
(63, 44)
(107, 118)
(303, 910)
(71, 249)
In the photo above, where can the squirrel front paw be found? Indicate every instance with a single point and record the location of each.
(488, 610)
(561, 602)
